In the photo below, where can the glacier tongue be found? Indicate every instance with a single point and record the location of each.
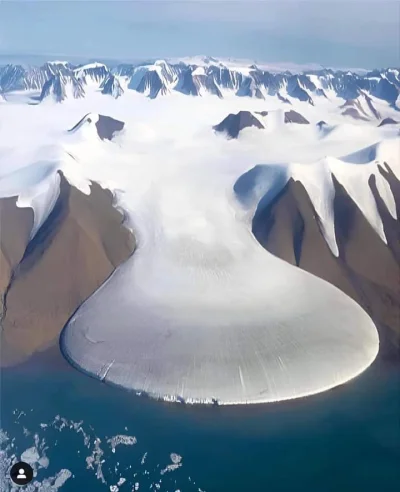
(202, 313)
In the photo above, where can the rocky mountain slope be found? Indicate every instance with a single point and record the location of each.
(233, 124)
(44, 279)
(364, 266)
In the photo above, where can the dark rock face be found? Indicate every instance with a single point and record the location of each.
(294, 90)
(387, 91)
(346, 86)
(321, 124)
(283, 99)
(321, 92)
(107, 127)
(152, 85)
(225, 78)
(57, 85)
(388, 121)
(96, 73)
(187, 85)
(206, 83)
(295, 117)
(354, 108)
(371, 107)
(111, 86)
(354, 113)
(249, 88)
(73, 253)
(367, 269)
(234, 123)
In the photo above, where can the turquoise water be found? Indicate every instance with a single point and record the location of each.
(347, 439)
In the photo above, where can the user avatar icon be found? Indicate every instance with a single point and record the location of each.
(21, 473)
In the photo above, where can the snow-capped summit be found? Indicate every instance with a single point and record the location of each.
(196, 82)
(92, 73)
(295, 117)
(111, 86)
(360, 108)
(151, 84)
(167, 72)
(152, 80)
(93, 124)
(60, 87)
(233, 124)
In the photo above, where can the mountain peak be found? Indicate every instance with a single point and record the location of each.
(233, 124)
(93, 73)
(111, 86)
(295, 117)
(105, 127)
(60, 87)
(388, 121)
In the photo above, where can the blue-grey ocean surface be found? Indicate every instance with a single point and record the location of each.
(347, 439)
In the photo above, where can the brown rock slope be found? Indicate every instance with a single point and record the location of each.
(15, 227)
(45, 280)
(367, 269)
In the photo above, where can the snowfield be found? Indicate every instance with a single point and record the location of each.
(202, 313)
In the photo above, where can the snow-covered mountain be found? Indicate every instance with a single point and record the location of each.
(104, 127)
(92, 73)
(234, 124)
(61, 87)
(388, 121)
(197, 77)
(111, 86)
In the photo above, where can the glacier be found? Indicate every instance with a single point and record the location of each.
(201, 313)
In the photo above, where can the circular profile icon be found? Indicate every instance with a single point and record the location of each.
(21, 473)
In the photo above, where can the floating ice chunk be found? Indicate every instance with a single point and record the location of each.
(121, 439)
(30, 455)
(61, 477)
(176, 463)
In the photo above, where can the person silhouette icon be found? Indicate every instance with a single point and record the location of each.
(21, 473)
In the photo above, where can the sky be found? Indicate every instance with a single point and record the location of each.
(336, 33)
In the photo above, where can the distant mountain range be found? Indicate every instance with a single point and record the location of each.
(60, 80)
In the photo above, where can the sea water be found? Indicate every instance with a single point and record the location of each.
(103, 438)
